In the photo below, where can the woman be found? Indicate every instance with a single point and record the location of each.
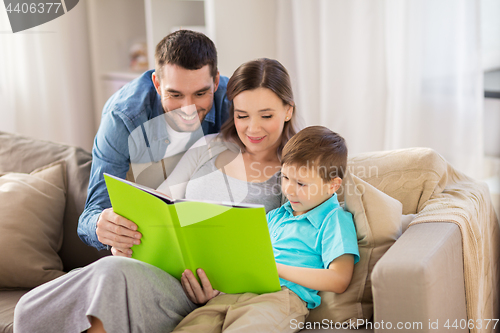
(123, 295)
(249, 146)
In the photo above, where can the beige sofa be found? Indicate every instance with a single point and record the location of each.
(440, 262)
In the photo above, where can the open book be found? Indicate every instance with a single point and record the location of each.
(230, 242)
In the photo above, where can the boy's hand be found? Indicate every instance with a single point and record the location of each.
(196, 293)
(118, 232)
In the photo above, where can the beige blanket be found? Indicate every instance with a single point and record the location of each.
(467, 203)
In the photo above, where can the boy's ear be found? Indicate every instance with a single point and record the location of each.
(334, 185)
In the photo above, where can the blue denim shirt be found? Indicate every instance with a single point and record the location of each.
(130, 107)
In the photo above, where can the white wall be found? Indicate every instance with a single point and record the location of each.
(241, 30)
(490, 34)
(163, 16)
(113, 28)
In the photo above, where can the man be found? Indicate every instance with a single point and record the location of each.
(147, 126)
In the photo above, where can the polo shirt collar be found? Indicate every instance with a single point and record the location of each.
(315, 216)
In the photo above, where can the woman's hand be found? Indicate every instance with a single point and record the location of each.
(198, 294)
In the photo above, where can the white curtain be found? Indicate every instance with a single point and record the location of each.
(389, 74)
(45, 80)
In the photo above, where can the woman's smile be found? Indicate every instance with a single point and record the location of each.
(255, 139)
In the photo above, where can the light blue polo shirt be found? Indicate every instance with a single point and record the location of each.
(311, 240)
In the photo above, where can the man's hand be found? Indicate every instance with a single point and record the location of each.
(196, 293)
(118, 232)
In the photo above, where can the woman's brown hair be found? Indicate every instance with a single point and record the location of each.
(260, 73)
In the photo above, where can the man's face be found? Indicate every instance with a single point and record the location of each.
(186, 95)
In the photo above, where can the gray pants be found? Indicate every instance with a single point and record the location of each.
(125, 294)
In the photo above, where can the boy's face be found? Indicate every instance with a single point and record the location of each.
(305, 189)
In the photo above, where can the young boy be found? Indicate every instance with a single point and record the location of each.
(314, 243)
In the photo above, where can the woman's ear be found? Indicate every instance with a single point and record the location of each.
(334, 185)
(289, 112)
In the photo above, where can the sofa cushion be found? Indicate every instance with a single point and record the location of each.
(409, 175)
(8, 301)
(406, 220)
(22, 154)
(31, 229)
(377, 218)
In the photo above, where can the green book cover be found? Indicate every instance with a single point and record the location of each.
(230, 242)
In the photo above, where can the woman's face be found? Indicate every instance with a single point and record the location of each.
(259, 117)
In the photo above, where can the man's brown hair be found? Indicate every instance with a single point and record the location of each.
(188, 49)
(260, 73)
(319, 148)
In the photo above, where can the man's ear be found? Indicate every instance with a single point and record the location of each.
(156, 82)
(216, 81)
(334, 185)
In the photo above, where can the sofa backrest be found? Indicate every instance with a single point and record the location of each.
(409, 175)
(22, 154)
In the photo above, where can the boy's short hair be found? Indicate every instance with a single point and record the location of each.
(188, 49)
(320, 148)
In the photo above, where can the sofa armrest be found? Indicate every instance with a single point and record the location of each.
(420, 280)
